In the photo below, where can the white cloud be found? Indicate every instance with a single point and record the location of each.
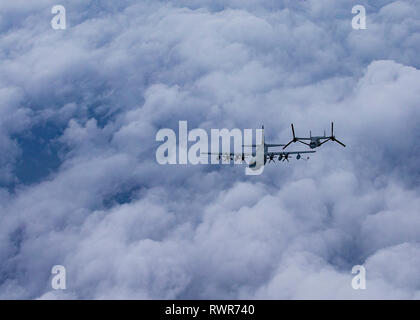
(126, 227)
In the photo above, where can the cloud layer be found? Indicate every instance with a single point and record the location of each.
(80, 186)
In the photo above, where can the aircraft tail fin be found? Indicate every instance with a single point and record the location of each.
(263, 140)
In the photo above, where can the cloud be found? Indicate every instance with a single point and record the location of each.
(82, 106)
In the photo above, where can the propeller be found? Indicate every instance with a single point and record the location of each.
(239, 157)
(303, 142)
(324, 141)
(294, 138)
(270, 157)
(227, 157)
(286, 157)
(333, 137)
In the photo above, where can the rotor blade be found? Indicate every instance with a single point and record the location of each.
(293, 131)
(287, 144)
(340, 143)
(332, 129)
(303, 142)
(324, 141)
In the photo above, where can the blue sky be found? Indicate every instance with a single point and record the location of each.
(80, 186)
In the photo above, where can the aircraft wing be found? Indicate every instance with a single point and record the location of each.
(229, 155)
(277, 153)
(274, 145)
(226, 153)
